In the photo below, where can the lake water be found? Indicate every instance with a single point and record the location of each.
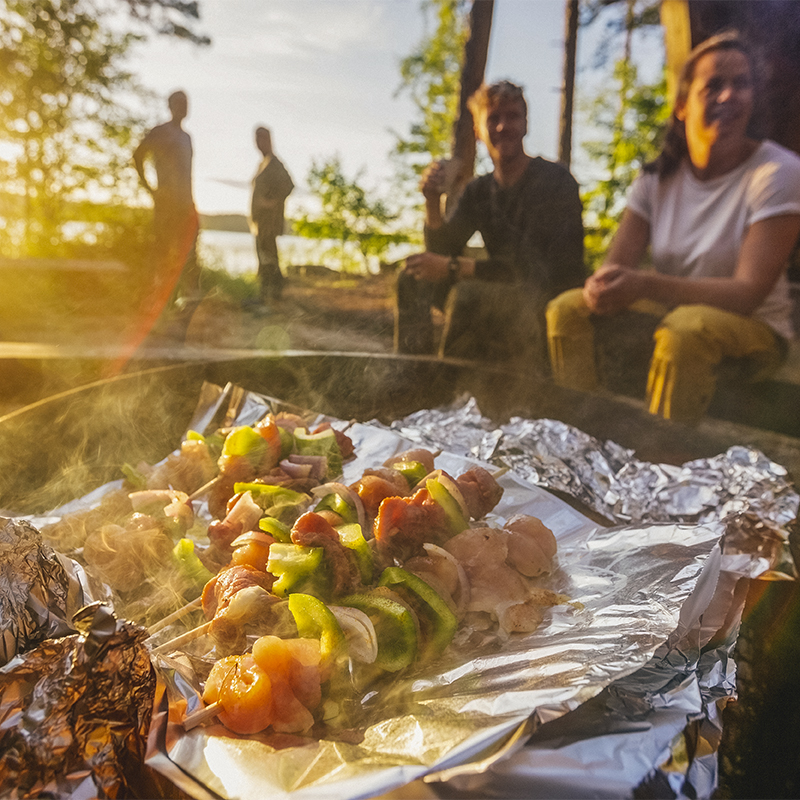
(236, 252)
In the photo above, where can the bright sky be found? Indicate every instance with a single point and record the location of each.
(322, 74)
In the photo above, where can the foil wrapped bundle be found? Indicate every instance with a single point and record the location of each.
(607, 477)
(76, 712)
(40, 590)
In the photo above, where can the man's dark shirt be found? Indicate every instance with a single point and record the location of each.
(532, 230)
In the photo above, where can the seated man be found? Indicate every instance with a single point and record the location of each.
(528, 212)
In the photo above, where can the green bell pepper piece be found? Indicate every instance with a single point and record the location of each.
(272, 499)
(298, 569)
(412, 471)
(451, 508)
(336, 503)
(134, 477)
(278, 530)
(315, 620)
(439, 624)
(353, 539)
(394, 628)
(287, 441)
(320, 444)
(245, 441)
(189, 565)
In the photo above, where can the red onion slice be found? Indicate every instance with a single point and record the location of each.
(295, 470)
(319, 464)
(362, 642)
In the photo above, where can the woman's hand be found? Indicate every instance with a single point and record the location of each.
(612, 289)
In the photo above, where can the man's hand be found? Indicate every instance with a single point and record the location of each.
(612, 289)
(433, 181)
(429, 267)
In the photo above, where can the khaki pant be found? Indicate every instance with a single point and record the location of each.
(691, 343)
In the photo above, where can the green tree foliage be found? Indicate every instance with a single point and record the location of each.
(65, 128)
(632, 117)
(348, 215)
(176, 18)
(431, 75)
(626, 118)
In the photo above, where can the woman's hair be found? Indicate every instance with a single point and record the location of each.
(674, 148)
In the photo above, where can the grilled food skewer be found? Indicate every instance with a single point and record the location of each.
(176, 615)
(184, 638)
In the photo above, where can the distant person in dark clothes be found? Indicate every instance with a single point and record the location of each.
(272, 184)
(528, 213)
(175, 223)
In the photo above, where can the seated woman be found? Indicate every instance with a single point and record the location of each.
(720, 212)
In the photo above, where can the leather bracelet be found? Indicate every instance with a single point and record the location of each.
(453, 267)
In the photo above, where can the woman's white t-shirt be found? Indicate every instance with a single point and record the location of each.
(697, 227)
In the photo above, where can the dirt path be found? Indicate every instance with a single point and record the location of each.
(342, 314)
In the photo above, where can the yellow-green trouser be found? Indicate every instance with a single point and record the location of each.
(690, 343)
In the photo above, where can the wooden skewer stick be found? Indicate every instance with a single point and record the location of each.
(201, 715)
(203, 489)
(499, 472)
(184, 638)
(175, 616)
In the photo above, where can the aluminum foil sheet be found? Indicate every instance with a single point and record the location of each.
(607, 477)
(624, 655)
(75, 712)
(618, 691)
(40, 590)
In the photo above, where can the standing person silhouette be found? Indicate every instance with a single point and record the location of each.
(175, 222)
(272, 184)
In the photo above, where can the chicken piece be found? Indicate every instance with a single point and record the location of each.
(482, 553)
(293, 667)
(480, 491)
(313, 530)
(403, 524)
(252, 549)
(520, 617)
(376, 485)
(244, 691)
(185, 471)
(436, 571)
(233, 470)
(220, 590)
(70, 532)
(249, 608)
(531, 545)
(278, 685)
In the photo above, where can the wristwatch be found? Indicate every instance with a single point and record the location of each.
(453, 267)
